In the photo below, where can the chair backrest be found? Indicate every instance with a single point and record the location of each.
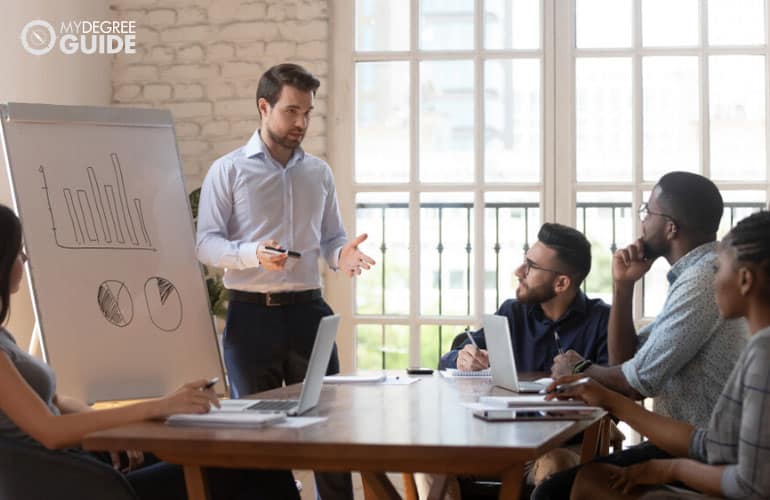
(459, 339)
(35, 473)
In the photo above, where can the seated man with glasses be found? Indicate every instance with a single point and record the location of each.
(683, 357)
(550, 313)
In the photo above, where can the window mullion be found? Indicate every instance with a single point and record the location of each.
(548, 110)
(704, 92)
(637, 127)
(559, 190)
(414, 193)
(477, 298)
(767, 108)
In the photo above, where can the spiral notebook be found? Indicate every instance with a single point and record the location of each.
(454, 373)
(227, 419)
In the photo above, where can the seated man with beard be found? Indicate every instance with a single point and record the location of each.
(550, 312)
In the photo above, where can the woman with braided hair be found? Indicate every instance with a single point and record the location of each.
(731, 458)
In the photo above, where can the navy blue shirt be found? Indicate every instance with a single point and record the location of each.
(582, 328)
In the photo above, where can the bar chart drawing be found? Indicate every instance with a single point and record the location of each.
(99, 216)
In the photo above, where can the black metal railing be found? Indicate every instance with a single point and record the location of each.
(618, 211)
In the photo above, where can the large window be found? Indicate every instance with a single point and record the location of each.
(670, 86)
(462, 125)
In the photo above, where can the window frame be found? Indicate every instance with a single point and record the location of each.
(558, 193)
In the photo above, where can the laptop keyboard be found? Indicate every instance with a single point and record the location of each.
(273, 404)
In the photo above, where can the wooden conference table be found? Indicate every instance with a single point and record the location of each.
(420, 427)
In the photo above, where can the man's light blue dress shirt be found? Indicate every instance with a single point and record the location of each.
(248, 197)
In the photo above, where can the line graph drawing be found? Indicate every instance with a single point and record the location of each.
(115, 302)
(100, 216)
(163, 303)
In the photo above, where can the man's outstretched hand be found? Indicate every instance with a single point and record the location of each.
(353, 260)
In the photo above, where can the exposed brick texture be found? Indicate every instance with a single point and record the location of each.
(202, 59)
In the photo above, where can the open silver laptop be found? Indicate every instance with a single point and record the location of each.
(311, 387)
(502, 363)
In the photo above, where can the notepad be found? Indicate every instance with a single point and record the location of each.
(525, 413)
(526, 400)
(455, 373)
(226, 419)
(355, 379)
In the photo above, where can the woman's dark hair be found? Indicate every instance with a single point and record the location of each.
(750, 239)
(272, 81)
(10, 244)
(571, 246)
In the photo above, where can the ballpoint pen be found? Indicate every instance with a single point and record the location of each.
(470, 337)
(558, 341)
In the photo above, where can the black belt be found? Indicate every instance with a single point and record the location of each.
(271, 299)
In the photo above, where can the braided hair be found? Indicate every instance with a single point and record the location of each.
(750, 240)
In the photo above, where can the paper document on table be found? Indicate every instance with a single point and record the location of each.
(454, 373)
(526, 400)
(355, 379)
(545, 381)
(226, 419)
(299, 422)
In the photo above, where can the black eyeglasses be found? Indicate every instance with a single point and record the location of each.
(528, 265)
(644, 212)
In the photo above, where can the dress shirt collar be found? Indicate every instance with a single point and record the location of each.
(578, 306)
(257, 147)
(689, 259)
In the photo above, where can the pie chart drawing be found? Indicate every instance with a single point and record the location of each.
(115, 302)
(163, 303)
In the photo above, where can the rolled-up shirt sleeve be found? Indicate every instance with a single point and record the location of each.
(213, 246)
(697, 450)
(688, 320)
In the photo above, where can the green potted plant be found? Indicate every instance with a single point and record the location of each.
(214, 285)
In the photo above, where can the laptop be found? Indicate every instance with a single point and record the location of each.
(311, 387)
(502, 363)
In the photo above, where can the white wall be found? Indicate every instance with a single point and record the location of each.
(53, 78)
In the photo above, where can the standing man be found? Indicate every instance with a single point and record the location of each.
(271, 194)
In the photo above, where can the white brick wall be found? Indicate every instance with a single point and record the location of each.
(202, 60)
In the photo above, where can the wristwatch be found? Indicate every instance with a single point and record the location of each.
(582, 366)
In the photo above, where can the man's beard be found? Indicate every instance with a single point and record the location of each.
(537, 295)
(651, 250)
(285, 141)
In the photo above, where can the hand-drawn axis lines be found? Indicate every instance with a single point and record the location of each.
(100, 217)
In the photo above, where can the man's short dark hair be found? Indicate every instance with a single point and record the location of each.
(572, 249)
(272, 81)
(693, 201)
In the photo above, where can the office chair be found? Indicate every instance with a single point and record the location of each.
(31, 472)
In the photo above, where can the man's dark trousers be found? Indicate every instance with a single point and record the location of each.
(267, 345)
